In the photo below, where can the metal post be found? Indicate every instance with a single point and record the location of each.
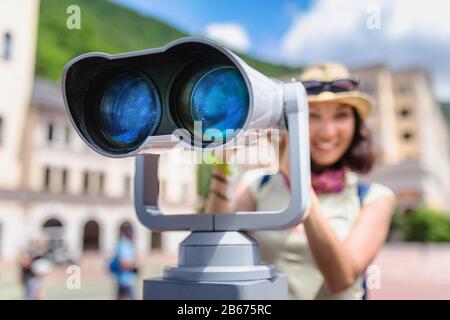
(215, 266)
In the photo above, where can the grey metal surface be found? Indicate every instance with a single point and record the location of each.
(219, 256)
(146, 190)
(219, 273)
(224, 249)
(218, 265)
(275, 288)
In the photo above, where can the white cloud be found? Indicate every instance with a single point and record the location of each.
(229, 34)
(411, 33)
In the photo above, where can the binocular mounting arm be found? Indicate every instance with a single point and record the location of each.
(147, 185)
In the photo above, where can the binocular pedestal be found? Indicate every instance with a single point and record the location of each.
(215, 266)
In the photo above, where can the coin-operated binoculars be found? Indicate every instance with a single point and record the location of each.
(142, 103)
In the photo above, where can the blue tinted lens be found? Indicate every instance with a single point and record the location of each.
(129, 110)
(220, 100)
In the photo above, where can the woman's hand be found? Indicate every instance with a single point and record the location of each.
(218, 199)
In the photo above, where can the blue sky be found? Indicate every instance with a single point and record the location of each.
(400, 33)
(265, 21)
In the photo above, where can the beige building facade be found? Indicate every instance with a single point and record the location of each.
(51, 183)
(411, 136)
(18, 22)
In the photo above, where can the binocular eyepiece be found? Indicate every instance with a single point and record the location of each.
(192, 91)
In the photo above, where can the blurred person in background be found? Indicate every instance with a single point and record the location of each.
(124, 264)
(34, 265)
(326, 256)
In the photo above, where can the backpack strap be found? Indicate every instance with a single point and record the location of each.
(363, 188)
(264, 180)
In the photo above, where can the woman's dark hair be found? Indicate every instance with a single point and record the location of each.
(359, 157)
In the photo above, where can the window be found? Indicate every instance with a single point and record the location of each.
(127, 186)
(67, 135)
(368, 86)
(185, 192)
(163, 190)
(404, 89)
(1, 131)
(93, 183)
(53, 229)
(86, 182)
(64, 177)
(156, 240)
(407, 136)
(7, 46)
(1, 238)
(405, 112)
(101, 183)
(46, 178)
(50, 132)
(91, 236)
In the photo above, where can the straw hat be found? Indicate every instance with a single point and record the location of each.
(327, 72)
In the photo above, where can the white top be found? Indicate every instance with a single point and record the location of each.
(288, 250)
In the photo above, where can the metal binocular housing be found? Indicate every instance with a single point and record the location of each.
(192, 93)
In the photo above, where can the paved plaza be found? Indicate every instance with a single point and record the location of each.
(96, 281)
(405, 271)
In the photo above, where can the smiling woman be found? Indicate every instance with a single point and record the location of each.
(332, 127)
(347, 223)
(336, 130)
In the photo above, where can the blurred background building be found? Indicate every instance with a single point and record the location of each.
(50, 181)
(411, 136)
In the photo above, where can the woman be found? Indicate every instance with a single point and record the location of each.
(124, 264)
(34, 266)
(326, 256)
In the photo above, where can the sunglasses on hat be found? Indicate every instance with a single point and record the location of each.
(341, 85)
